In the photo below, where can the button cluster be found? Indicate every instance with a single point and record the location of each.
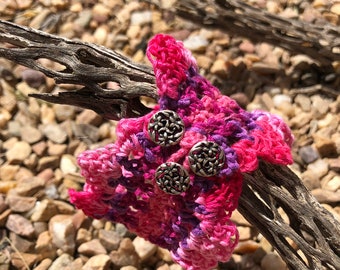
(206, 158)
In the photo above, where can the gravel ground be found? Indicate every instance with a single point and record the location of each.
(40, 229)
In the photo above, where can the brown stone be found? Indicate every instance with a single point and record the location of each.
(219, 68)
(248, 246)
(325, 146)
(20, 225)
(326, 196)
(245, 233)
(91, 248)
(4, 216)
(55, 149)
(98, 262)
(5, 186)
(30, 186)
(22, 244)
(55, 133)
(44, 245)
(30, 134)
(64, 207)
(44, 264)
(48, 162)
(62, 262)
(22, 260)
(144, 248)
(18, 153)
(63, 232)
(125, 255)
(3, 204)
(83, 236)
(44, 211)
(39, 148)
(109, 239)
(64, 112)
(7, 172)
(20, 204)
(272, 261)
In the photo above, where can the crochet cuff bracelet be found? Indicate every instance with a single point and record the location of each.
(174, 176)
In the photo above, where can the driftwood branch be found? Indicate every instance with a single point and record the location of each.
(85, 64)
(311, 233)
(320, 42)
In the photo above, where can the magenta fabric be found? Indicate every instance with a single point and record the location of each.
(194, 225)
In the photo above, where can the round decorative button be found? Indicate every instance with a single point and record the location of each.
(206, 158)
(172, 178)
(166, 128)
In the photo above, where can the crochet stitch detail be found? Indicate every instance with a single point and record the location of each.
(194, 225)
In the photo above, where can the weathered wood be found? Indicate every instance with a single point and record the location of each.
(311, 229)
(85, 64)
(320, 42)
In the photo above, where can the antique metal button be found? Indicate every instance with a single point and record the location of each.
(166, 128)
(172, 178)
(206, 158)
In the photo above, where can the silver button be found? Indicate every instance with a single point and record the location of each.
(166, 128)
(172, 178)
(206, 158)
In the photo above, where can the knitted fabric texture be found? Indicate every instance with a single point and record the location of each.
(194, 225)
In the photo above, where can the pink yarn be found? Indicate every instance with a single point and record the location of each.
(194, 225)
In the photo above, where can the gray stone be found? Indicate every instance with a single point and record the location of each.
(62, 262)
(54, 133)
(86, 132)
(308, 154)
(33, 77)
(109, 239)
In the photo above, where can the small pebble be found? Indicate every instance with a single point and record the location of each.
(63, 232)
(54, 133)
(20, 225)
(196, 43)
(308, 154)
(62, 262)
(18, 153)
(91, 248)
(98, 262)
(273, 261)
(144, 248)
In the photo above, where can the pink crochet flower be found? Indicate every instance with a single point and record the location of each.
(174, 176)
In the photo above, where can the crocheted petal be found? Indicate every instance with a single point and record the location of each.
(246, 155)
(270, 141)
(89, 202)
(277, 124)
(201, 251)
(171, 62)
